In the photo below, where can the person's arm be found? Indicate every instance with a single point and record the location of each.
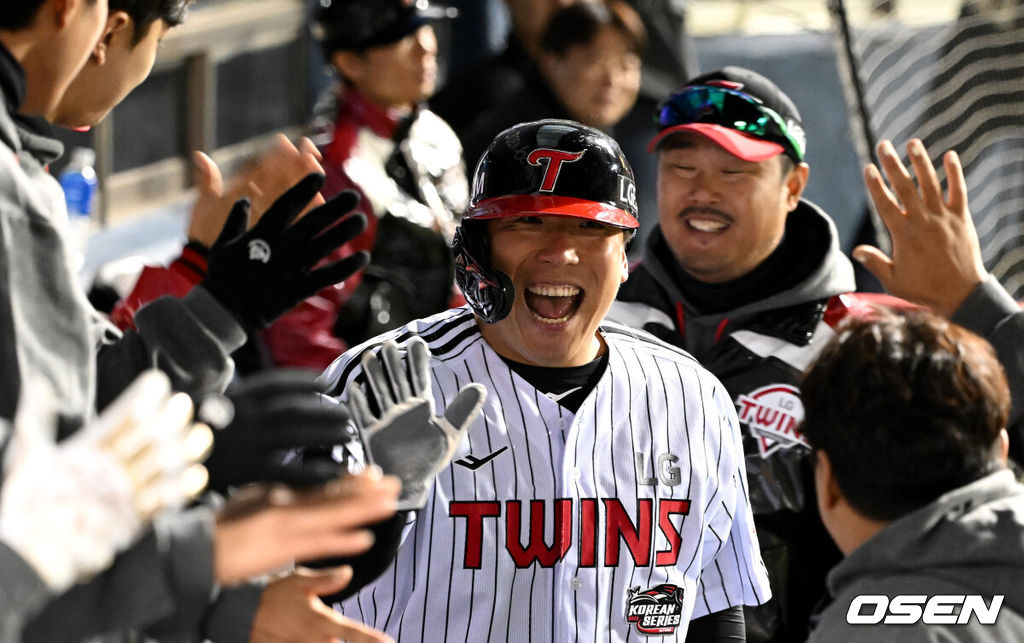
(726, 626)
(733, 573)
(190, 339)
(991, 312)
(22, 593)
(169, 578)
(936, 257)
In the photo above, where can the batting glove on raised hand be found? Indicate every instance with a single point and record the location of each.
(262, 422)
(69, 508)
(408, 440)
(262, 273)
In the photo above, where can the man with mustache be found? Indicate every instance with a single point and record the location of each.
(749, 278)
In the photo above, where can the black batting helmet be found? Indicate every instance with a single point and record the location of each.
(546, 168)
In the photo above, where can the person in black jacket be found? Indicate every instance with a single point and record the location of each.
(747, 276)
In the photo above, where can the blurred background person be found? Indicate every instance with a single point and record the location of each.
(378, 137)
(491, 82)
(588, 70)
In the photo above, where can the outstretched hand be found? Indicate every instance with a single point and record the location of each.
(265, 416)
(263, 527)
(261, 273)
(936, 258)
(68, 508)
(290, 610)
(407, 439)
(261, 180)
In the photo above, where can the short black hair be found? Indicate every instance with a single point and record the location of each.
(145, 12)
(578, 23)
(19, 14)
(907, 406)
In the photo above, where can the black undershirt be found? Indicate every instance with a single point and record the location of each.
(555, 381)
(797, 256)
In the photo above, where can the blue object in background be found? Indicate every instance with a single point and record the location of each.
(78, 181)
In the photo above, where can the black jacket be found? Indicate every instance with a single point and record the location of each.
(759, 351)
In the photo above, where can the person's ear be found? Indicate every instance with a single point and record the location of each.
(119, 25)
(349, 64)
(625, 266)
(829, 495)
(796, 182)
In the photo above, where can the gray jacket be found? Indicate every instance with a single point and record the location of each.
(48, 329)
(991, 312)
(970, 541)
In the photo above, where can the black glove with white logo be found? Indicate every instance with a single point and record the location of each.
(262, 273)
(261, 425)
(407, 439)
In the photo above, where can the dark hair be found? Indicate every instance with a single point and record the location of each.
(145, 12)
(578, 24)
(19, 14)
(906, 406)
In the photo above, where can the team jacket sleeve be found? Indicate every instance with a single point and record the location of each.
(175, 280)
(189, 338)
(733, 573)
(991, 312)
(22, 593)
(166, 578)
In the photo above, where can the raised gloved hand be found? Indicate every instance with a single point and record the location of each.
(262, 273)
(69, 508)
(407, 440)
(264, 420)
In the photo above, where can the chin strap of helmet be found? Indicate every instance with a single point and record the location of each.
(489, 292)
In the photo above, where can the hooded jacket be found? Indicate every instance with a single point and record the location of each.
(968, 542)
(48, 329)
(759, 351)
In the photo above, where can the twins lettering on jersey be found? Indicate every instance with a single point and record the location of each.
(773, 413)
(599, 538)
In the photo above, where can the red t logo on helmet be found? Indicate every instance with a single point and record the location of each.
(555, 158)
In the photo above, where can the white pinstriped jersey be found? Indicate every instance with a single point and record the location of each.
(545, 521)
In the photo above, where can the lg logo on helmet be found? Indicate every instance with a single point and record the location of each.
(627, 191)
(553, 165)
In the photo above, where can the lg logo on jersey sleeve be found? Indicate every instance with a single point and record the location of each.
(870, 609)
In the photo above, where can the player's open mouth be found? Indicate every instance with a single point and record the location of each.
(553, 304)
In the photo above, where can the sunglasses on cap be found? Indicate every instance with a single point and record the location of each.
(730, 109)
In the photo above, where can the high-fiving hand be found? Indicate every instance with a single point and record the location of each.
(407, 439)
(261, 273)
(936, 258)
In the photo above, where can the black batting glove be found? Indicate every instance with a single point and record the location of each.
(262, 273)
(262, 423)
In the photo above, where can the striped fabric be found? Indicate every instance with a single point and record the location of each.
(959, 86)
(543, 532)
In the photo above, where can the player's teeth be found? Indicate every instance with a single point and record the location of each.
(705, 225)
(555, 291)
(560, 320)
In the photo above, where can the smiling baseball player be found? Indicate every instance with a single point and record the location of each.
(601, 493)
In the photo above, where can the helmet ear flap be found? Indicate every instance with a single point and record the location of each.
(489, 292)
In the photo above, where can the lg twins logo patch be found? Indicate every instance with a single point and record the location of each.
(554, 160)
(658, 610)
(773, 412)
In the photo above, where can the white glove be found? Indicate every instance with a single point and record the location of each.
(407, 440)
(69, 508)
